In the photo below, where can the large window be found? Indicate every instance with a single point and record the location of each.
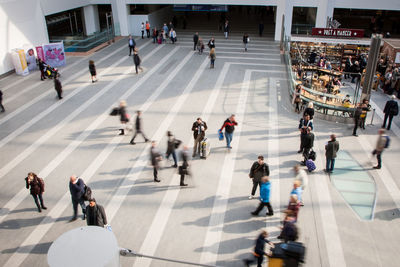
(303, 20)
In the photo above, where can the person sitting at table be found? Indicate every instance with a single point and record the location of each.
(329, 87)
(321, 63)
(346, 101)
(337, 82)
(328, 65)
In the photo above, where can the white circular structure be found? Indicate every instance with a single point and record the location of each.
(89, 246)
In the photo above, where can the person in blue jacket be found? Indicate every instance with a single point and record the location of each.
(297, 190)
(265, 190)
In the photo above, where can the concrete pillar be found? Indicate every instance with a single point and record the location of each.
(120, 17)
(324, 10)
(91, 16)
(284, 7)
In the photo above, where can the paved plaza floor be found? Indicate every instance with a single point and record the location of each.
(209, 221)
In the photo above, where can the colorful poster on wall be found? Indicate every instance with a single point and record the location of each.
(54, 54)
(40, 52)
(31, 59)
(19, 62)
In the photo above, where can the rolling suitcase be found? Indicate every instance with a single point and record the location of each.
(310, 165)
(204, 148)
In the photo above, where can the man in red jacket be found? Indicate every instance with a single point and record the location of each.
(229, 126)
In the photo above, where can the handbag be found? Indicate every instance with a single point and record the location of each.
(297, 99)
(88, 193)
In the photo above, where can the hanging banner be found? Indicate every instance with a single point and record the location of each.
(40, 52)
(341, 33)
(31, 59)
(54, 54)
(19, 62)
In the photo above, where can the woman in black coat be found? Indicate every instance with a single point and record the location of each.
(92, 70)
(36, 185)
(58, 87)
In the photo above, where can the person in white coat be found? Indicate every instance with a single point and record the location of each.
(302, 177)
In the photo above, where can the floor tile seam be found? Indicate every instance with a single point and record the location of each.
(47, 222)
(356, 192)
(353, 180)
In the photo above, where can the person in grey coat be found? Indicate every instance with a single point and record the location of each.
(95, 214)
(258, 170)
(155, 158)
(330, 153)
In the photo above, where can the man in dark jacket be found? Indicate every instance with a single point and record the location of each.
(131, 44)
(355, 68)
(1, 102)
(195, 40)
(77, 190)
(391, 109)
(211, 43)
(58, 86)
(172, 144)
(137, 61)
(259, 250)
(199, 128)
(305, 123)
(229, 125)
(330, 153)
(308, 143)
(95, 214)
(138, 128)
(155, 157)
(258, 170)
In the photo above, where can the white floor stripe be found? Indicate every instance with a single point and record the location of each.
(254, 58)
(37, 234)
(71, 78)
(17, 199)
(209, 254)
(236, 43)
(23, 155)
(273, 222)
(383, 173)
(18, 81)
(270, 55)
(160, 220)
(329, 225)
(220, 47)
(36, 84)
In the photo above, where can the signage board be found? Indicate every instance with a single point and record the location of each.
(339, 33)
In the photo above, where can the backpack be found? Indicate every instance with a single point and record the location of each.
(312, 155)
(310, 165)
(395, 110)
(387, 141)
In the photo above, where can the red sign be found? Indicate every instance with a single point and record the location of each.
(341, 33)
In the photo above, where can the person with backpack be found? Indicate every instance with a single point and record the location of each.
(265, 192)
(137, 61)
(229, 125)
(382, 143)
(391, 109)
(36, 186)
(95, 214)
(331, 148)
(77, 190)
(258, 170)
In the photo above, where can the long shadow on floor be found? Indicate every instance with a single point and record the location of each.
(41, 248)
(20, 223)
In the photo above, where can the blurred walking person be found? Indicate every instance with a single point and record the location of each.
(212, 58)
(58, 86)
(381, 144)
(123, 116)
(155, 158)
(138, 128)
(1, 102)
(246, 40)
(195, 40)
(36, 186)
(184, 168)
(259, 250)
(172, 144)
(92, 70)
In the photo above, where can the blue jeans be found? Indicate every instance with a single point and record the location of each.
(173, 153)
(330, 164)
(228, 137)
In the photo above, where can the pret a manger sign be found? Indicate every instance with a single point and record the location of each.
(341, 33)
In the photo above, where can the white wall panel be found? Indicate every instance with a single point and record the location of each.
(56, 6)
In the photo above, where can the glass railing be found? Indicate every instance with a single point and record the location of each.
(80, 44)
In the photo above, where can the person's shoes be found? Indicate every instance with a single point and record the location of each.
(60, 98)
(301, 203)
(388, 128)
(253, 213)
(174, 166)
(377, 167)
(356, 135)
(132, 143)
(84, 217)
(183, 184)
(229, 147)
(147, 140)
(121, 132)
(299, 151)
(194, 155)
(3, 110)
(44, 207)
(157, 181)
(279, 237)
(270, 214)
(39, 209)
(72, 219)
(245, 263)
(251, 197)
